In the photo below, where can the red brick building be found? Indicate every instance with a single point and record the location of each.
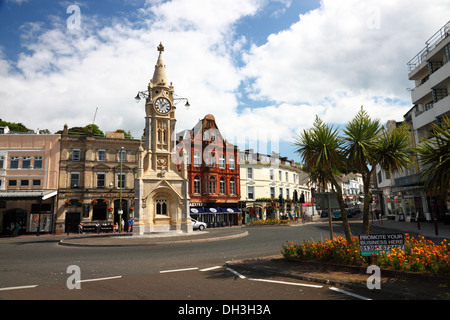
(213, 169)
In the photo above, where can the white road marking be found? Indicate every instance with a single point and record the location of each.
(211, 268)
(349, 293)
(236, 273)
(178, 270)
(289, 283)
(100, 279)
(17, 288)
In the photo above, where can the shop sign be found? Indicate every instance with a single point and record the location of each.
(375, 243)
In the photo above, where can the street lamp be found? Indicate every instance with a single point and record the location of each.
(144, 95)
(120, 190)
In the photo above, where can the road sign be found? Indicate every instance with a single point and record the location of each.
(375, 243)
(321, 201)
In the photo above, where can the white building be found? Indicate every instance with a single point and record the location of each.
(403, 195)
(264, 178)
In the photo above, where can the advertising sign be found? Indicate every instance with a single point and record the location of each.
(376, 243)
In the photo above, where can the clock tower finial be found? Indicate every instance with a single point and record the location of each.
(159, 76)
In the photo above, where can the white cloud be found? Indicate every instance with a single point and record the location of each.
(336, 58)
(345, 52)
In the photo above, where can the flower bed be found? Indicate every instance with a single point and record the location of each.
(269, 222)
(420, 255)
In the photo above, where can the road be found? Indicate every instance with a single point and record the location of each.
(39, 270)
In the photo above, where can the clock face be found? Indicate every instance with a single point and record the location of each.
(162, 105)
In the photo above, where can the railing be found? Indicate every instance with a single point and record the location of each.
(430, 45)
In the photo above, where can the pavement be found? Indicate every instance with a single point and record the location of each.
(399, 285)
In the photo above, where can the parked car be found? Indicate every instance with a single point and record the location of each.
(324, 213)
(336, 215)
(198, 224)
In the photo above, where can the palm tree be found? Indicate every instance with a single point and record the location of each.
(320, 150)
(434, 159)
(367, 144)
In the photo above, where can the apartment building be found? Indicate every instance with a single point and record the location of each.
(403, 195)
(29, 170)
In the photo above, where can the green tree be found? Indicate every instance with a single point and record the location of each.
(320, 150)
(434, 159)
(367, 144)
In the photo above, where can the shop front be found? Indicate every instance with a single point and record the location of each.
(22, 211)
(216, 217)
(92, 208)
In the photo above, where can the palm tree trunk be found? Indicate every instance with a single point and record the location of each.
(366, 209)
(338, 193)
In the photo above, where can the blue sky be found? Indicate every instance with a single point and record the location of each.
(263, 68)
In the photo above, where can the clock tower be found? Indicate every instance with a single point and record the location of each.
(162, 201)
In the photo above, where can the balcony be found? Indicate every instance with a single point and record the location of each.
(438, 77)
(439, 108)
(431, 44)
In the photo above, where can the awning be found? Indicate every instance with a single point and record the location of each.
(197, 210)
(230, 210)
(213, 210)
(27, 194)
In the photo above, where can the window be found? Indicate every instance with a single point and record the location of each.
(232, 186)
(76, 155)
(14, 163)
(222, 186)
(287, 176)
(232, 162)
(161, 207)
(2, 161)
(271, 174)
(197, 159)
(197, 185)
(36, 183)
(272, 192)
(37, 163)
(279, 175)
(249, 173)
(26, 162)
(222, 161)
(121, 181)
(24, 183)
(101, 155)
(212, 185)
(122, 155)
(100, 179)
(250, 192)
(74, 179)
(12, 183)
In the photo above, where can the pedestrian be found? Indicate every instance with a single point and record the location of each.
(11, 228)
(129, 225)
(123, 224)
(80, 228)
(17, 228)
(117, 226)
(97, 226)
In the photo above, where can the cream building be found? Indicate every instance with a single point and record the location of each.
(264, 178)
(29, 168)
(96, 181)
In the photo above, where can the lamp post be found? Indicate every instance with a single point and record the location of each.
(144, 95)
(120, 190)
